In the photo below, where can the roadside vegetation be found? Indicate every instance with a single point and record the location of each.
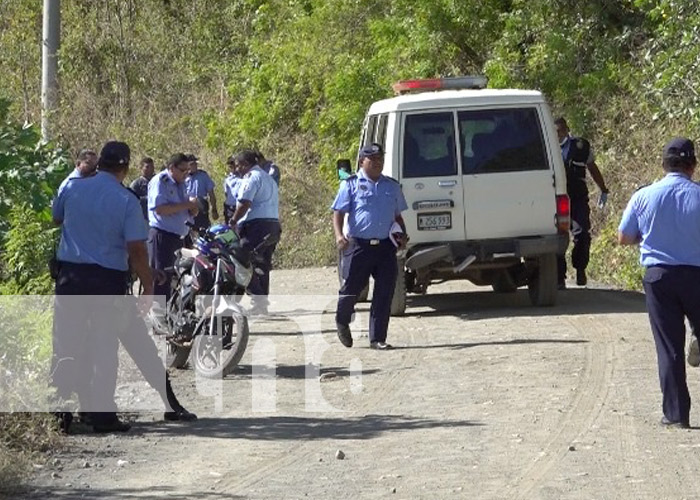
(295, 77)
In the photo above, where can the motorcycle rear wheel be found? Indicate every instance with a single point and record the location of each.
(215, 356)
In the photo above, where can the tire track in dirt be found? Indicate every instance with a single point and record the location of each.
(583, 412)
(386, 391)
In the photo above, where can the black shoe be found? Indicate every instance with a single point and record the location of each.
(344, 335)
(180, 415)
(674, 425)
(64, 419)
(380, 346)
(111, 426)
(581, 278)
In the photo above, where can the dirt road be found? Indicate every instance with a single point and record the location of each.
(485, 397)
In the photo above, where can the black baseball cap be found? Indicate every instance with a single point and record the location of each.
(373, 149)
(679, 147)
(114, 153)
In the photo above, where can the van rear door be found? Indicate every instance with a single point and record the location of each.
(430, 178)
(508, 184)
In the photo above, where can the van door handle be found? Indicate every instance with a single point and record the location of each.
(447, 183)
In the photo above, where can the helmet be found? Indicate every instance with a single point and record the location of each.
(223, 235)
(206, 247)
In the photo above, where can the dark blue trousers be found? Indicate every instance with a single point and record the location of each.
(581, 233)
(672, 293)
(162, 246)
(85, 336)
(252, 233)
(360, 261)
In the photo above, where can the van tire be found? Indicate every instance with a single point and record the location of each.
(398, 302)
(542, 285)
(362, 297)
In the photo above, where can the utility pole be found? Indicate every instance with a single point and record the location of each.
(49, 64)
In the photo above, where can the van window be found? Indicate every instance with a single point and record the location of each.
(370, 130)
(380, 137)
(429, 145)
(502, 140)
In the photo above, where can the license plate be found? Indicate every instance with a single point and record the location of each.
(434, 222)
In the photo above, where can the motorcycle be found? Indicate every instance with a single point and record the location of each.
(203, 320)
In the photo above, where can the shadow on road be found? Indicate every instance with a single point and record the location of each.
(298, 372)
(297, 428)
(467, 345)
(483, 305)
(62, 492)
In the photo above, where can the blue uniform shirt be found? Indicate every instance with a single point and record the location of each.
(372, 207)
(75, 174)
(163, 190)
(666, 215)
(232, 183)
(199, 184)
(100, 216)
(260, 189)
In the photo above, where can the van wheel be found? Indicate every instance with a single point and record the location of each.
(398, 302)
(362, 297)
(543, 282)
(503, 283)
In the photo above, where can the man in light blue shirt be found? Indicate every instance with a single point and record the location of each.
(232, 184)
(664, 219)
(169, 210)
(257, 217)
(102, 237)
(199, 185)
(373, 204)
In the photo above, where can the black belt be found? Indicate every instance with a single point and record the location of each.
(372, 242)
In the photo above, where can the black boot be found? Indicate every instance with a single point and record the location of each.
(178, 412)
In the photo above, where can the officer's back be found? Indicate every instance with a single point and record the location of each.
(98, 219)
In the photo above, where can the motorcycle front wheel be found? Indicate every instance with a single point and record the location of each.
(177, 356)
(215, 356)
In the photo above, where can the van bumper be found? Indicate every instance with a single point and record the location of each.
(487, 252)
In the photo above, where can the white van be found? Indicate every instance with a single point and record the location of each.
(482, 172)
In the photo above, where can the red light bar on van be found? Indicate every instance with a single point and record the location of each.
(453, 83)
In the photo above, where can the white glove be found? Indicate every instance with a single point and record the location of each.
(602, 200)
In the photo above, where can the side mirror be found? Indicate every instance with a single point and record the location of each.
(344, 168)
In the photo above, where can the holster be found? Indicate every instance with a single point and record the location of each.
(54, 267)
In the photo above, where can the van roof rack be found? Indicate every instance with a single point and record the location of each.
(451, 83)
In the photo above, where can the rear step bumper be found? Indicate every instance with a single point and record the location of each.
(485, 251)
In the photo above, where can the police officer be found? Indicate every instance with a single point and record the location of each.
(373, 204)
(578, 157)
(169, 211)
(257, 216)
(232, 184)
(102, 234)
(140, 186)
(664, 219)
(199, 185)
(85, 166)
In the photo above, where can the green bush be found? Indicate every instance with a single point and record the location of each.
(29, 244)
